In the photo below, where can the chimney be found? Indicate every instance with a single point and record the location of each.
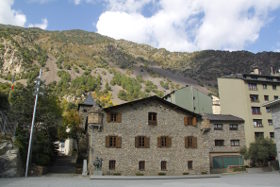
(256, 71)
(271, 71)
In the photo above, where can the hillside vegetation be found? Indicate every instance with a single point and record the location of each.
(75, 62)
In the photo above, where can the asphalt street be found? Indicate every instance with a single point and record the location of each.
(236, 180)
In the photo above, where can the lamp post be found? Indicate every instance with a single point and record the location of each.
(37, 87)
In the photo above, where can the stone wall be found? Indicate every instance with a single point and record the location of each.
(170, 122)
(10, 165)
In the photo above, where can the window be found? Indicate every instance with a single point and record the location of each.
(85, 110)
(257, 123)
(271, 134)
(219, 142)
(163, 166)
(218, 126)
(270, 122)
(252, 86)
(189, 120)
(256, 110)
(233, 127)
(142, 142)
(164, 141)
(190, 142)
(142, 165)
(152, 118)
(234, 142)
(190, 164)
(274, 87)
(112, 164)
(266, 97)
(254, 98)
(113, 141)
(275, 97)
(259, 135)
(264, 86)
(114, 117)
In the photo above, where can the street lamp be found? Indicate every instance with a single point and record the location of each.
(37, 87)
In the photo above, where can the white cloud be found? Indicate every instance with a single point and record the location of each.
(77, 2)
(187, 25)
(42, 25)
(9, 15)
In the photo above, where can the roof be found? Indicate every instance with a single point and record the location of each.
(271, 103)
(255, 78)
(89, 101)
(153, 98)
(223, 117)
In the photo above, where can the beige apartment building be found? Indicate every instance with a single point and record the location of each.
(243, 95)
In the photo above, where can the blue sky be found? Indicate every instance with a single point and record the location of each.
(177, 25)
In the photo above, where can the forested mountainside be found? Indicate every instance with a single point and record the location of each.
(75, 62)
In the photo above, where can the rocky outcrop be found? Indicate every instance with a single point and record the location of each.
(10, 165)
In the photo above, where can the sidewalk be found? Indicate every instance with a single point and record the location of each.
(92, 177)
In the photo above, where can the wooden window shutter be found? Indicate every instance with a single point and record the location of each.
(186, 142)
(185, 120)
(108, 117)
(119, 117)
(119, 142)
(107, 140)
(194, 142)
(137, 141)
(147, 142)
(159, 141)
(194, 121)
(168, 141)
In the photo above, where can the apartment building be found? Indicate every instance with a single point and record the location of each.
(243, 95)
(152, 136)
(191, 99)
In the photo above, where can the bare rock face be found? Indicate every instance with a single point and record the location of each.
(9, 159)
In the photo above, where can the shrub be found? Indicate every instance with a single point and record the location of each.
(117, 174)
(204, 172)
(185, 173)
(260, 152)
(161, 173)
(139, 174)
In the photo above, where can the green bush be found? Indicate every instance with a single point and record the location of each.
(161, 173)
(139, 174)
(204, 173)
(186, 173)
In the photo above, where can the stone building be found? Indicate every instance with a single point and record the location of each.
(226, 138)
(149, 136)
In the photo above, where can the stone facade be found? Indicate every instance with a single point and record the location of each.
(132, 120)
(227, 150)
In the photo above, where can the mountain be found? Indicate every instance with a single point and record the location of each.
(76, 61)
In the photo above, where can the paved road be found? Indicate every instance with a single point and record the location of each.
(238, 180)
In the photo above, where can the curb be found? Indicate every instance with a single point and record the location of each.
(92, 177)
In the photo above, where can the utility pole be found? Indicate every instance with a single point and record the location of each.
(37, 87)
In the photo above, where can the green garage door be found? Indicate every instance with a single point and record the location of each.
(225, 161)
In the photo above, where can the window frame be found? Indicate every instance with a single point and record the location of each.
(266, 97)
(163, 165)
(252, 86)
(256, 124)
(270, 122)
(190, 165)
(254, 98)
(218, 126)
(112, 164)
(256, 110)
(233, 128)
(152, 118)
(219, 142)
(235, 143)
(141, 165)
